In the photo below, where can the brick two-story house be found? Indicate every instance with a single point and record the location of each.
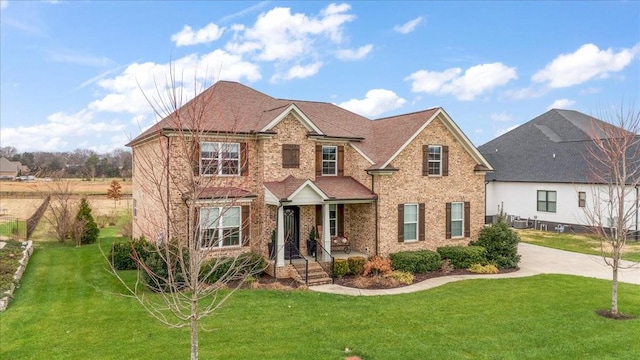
(406, 182)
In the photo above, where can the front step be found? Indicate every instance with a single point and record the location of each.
(316, 274)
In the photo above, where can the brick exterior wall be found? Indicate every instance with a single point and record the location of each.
(408, 185)
(265, 164)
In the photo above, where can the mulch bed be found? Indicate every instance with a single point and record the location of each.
(267, 281)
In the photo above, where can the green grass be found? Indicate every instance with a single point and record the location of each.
(66, 309)
(584, 244)
(13, 227)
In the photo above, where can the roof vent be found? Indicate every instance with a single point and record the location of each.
(554, 155)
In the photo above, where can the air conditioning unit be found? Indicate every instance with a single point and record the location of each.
(520, 224)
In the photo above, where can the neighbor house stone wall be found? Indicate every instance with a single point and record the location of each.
(408, 185)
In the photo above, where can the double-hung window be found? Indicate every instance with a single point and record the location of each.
(582, 199)
(220, 227)
(333, 219)
(329, 160)
(435, 160)
(219, 158)
(410, 222)
(457, 219)
(547, 201)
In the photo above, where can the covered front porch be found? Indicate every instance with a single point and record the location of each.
(322, 219)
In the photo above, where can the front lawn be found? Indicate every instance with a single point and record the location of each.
(585, 244)
(66, 308)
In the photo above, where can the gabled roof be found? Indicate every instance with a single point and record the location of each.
(7, 166)
(235, 108)
(549, 148)
(328, 188)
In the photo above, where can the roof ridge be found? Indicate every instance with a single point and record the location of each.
(407, 114)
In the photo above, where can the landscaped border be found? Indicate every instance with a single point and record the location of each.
(7, 296)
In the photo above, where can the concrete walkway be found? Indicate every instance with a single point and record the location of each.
(535, 260)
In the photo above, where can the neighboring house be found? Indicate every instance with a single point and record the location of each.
(406, 182)
(9, 169)
(541, 172)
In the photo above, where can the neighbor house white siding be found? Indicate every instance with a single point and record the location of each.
(520, 199)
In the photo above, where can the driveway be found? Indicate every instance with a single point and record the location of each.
(535, 260)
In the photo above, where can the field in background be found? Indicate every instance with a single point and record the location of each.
(95, 187)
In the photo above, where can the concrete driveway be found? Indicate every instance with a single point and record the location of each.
(535, 260)
(543, 260)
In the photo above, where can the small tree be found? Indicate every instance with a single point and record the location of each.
(114, 192)
(614, 170)
(62, 208)
(501, 243)
(85, 222)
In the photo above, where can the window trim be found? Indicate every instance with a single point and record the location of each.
(430, 161)
(217, 146)
(220, 228)
(461, 220)
(546, 201)
(416, 222)
(335, 161)
(333, 230)
(582, 199)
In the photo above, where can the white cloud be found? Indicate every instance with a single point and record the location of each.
(244, 12)
(475, 80)
(586, 63)
(502, 117)
(125, 92)
(561, 104)
(590, 91)
(207, 34)
(298, 72)
(526, 93)
(376, 102)
(504, 131)
(278, 35)
(60, 130)
(478, 131)
(79, 58)
(349, 54)
(4, 4)
(408, 26)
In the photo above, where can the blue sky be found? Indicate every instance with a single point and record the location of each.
(71, 72)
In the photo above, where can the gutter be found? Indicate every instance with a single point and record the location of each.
(375, 202)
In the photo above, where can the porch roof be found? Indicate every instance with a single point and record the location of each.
(325, 189)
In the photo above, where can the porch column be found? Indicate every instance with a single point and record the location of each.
(326, 231)
(280, 238)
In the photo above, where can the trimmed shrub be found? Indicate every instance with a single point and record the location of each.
(462, 257)
(483, 269)
(356, 264)
(501, 244)
(377, 266)
(157, 276)
(416, 262)
(402, 277)
(121, 255)
(340, 267)
(215, 269)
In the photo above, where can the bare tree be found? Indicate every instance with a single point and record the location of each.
(189, 216)
(62, 209)
(614, 169)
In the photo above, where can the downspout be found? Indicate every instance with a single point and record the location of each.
(375, 202)
(275, 247)
(636, 232)
(168, 190)
(485, 200)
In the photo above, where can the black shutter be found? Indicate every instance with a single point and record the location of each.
(244, 159)
(340, 219)
(401, 223)
(467, 219)
(340, 160)
(290, 156)
(246, 225)
(318, 160)
(445, 160)
(448, 219)
(425, 160)
(421, 222)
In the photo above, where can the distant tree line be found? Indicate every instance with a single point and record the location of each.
(78, 163)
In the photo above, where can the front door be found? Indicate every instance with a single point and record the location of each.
(291, 231)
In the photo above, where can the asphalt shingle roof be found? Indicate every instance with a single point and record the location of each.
(550, 148)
